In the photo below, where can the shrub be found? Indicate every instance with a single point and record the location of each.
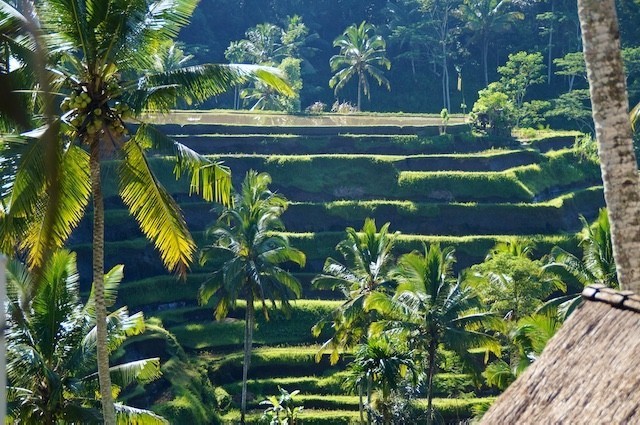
(493, 112)
(343, 108)
(452, 410)
(316, 108)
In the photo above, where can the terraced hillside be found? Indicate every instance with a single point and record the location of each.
(453, 188)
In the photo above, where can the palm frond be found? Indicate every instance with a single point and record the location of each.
(156, 212)
(209, 178)
(63, 213)
(111, 281)
(143, 371)
(201, 82)
(499, 374)
(634, 116)
(127, 415)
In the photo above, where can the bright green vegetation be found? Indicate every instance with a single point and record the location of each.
(456, 190)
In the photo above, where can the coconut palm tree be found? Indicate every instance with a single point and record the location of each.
(366, 267)
(485, 18)
(430, 308)
(51, 365)
(101, 51)
(524, 341)
(597, 265)
(362, 52)
(605, 71)
(250, 254)
(379, 363)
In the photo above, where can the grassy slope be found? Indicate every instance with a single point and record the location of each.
(332, 191)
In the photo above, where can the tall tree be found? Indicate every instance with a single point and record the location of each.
(362, 52)
(51, 346)
(365, 269)
(102, 49)
(250, 254)
(440, 14)
(430, 308)
(485, 18)
(407, 30)
(380, 362)
(606, 76)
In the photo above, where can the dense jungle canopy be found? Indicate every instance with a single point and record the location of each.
(422, 37)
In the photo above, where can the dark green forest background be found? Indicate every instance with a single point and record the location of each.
(410, 28)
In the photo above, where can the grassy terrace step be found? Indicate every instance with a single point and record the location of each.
(372, 144)
(228, 334)
(271, 118)
(518, 184)
(559, 214)
(336, 177)
(308, 417)
(449, 411)
(444, 384)
(270, 362)
(141, 261)
(308, 130)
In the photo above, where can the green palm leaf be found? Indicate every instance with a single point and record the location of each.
(209, 178)
(127, 415)
(634, 116)
(112, 281)
(156, 212)
(65, 212)
(143, 371)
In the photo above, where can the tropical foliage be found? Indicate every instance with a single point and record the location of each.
(379, 363)
(597, 266)
(430, 308)
(511, 281)
(365, 270)
(51, 340)
(103, 51)
(362, 53)
(250, 253)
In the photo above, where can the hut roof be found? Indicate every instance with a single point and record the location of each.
(587, 372)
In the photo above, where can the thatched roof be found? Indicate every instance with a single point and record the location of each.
(587, 373)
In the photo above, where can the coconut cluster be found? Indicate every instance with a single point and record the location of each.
(93, 114)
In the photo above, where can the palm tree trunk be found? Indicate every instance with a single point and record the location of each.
(359, 93)
(601, 41)
(369, 385)
(108, 410)
(550, 44)
(432, 370)
(360, 401)
(3, 359)
(248, 342)
(485, 58)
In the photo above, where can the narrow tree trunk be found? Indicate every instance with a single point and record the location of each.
(3, 359)
(369, 385)
(572, 79)
(485, 58)
(108, 410)
(446, 99)
(359, 92)
(360, 401)
(601, 41)
(550, 44)
(248, 342)
(432, 370)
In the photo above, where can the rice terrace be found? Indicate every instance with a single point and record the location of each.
(319, 213)
(398, 170)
